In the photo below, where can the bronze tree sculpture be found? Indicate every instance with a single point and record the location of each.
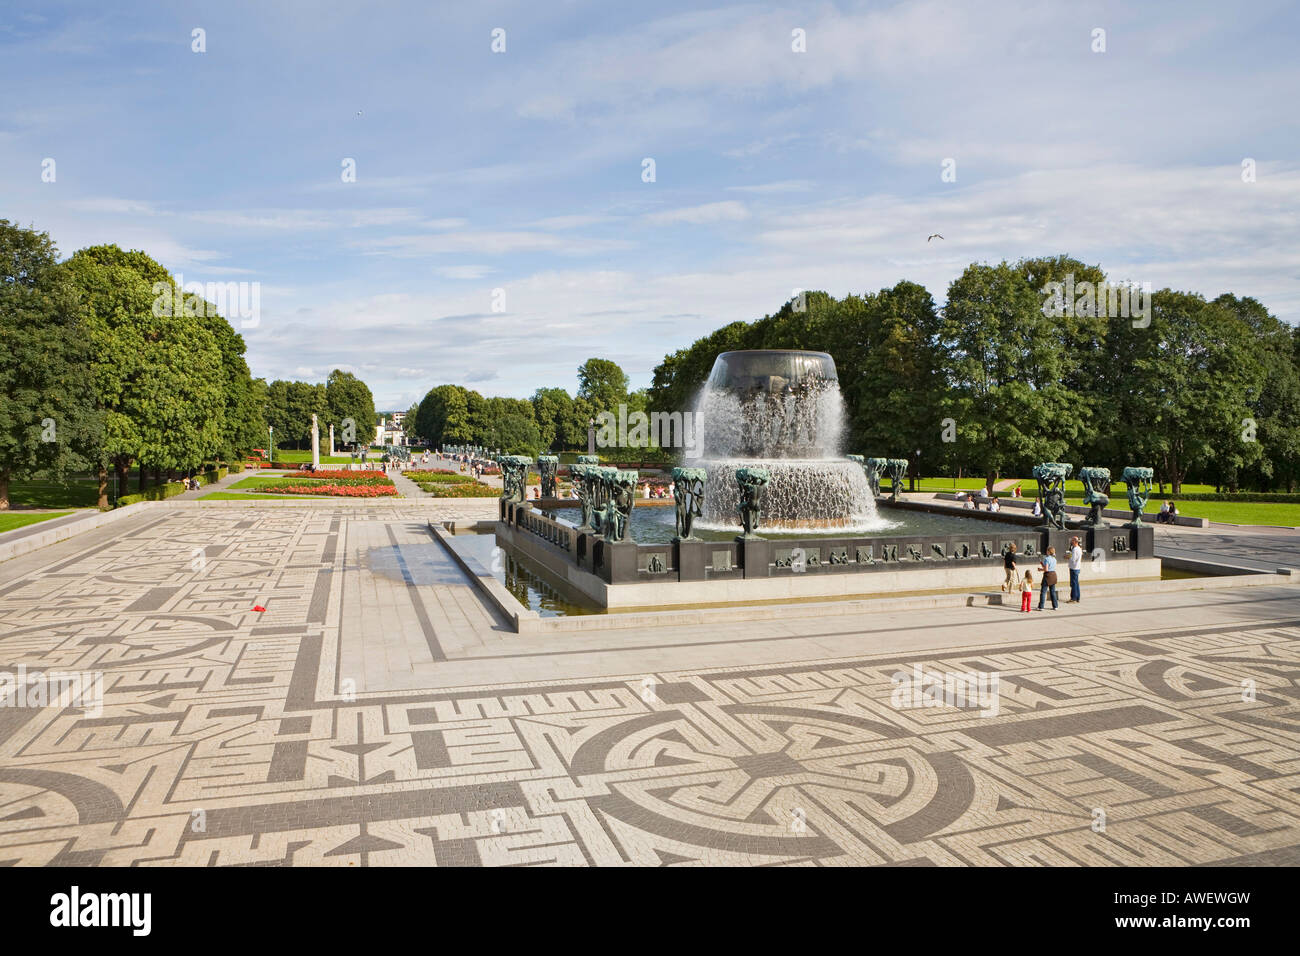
(752, 482)
(1051, 476)
(1096, 494)
(1138, 478)
(688, 493)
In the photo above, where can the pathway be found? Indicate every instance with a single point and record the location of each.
(377, 712)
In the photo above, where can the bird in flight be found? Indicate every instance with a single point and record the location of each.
(934, 236)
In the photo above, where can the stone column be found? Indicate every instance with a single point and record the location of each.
(315, 442)
(331, 441)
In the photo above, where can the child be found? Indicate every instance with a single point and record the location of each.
(1026, 591)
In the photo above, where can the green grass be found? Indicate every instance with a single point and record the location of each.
(261, 481)
(9, 520)
(78, 493)
(1029, 486)
(1229, 512)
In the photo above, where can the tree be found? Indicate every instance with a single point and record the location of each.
(155, 369)
(514, 435)
(1005, 363)
(1183, 386)
(602, 383)
(47, 417)
(241, 425)
(551, 408)
(347, 398)
(1274, 424)
(443, 417)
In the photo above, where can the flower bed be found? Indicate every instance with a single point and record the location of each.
(376, 478)
(334, 490)
(343, 474)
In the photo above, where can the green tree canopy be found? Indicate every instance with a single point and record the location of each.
(347, 398)
(48, 420)
(602, 383)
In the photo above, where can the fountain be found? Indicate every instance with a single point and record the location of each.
(780, 412)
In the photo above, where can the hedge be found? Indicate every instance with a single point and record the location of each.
(157, 493)
(474, 489)
(171, 489)
(439, 478)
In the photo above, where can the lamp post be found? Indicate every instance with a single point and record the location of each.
(591, 436)
(270, 430)
(916, 472)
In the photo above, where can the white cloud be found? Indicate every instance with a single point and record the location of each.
(784, 186)
(463, 272)
(486, 243)
(727, 211)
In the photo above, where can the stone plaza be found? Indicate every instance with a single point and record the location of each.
(380, 710)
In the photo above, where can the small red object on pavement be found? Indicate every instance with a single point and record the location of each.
(258, 607)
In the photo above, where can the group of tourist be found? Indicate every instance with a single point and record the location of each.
(1047, 570)
(468, 464)
(1168, 512)
(971, 504)
(649, 490)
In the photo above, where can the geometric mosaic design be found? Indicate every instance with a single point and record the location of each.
(223, 741)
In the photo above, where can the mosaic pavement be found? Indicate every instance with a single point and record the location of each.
(223, 740)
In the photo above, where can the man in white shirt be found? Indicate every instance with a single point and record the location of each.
(1076, 565)
(994, 505)
(983, 492)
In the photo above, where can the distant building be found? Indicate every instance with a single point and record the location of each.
(389, 431)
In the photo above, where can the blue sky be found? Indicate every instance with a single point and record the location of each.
(522, 171)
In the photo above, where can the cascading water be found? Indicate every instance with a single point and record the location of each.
(782, 411)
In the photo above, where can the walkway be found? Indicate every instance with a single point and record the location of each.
(377, 712)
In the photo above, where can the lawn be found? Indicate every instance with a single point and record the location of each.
(78, 493)
(1029, 486)
(1229, 512)
(260, 481)
(10, 520)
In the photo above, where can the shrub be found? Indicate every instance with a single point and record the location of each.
(438, 477)
(158, 493)
(472, 489)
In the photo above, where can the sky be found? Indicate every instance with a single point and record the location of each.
(502, 226)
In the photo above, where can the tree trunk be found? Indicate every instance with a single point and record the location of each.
(102, 504)
(157, 477)
(142, 479)
(4, 490)
(989, 481)
(123, 468)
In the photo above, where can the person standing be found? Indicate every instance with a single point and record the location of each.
(1076, 565)
(1009, 565)
(1026, 591)
(1048, 567)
